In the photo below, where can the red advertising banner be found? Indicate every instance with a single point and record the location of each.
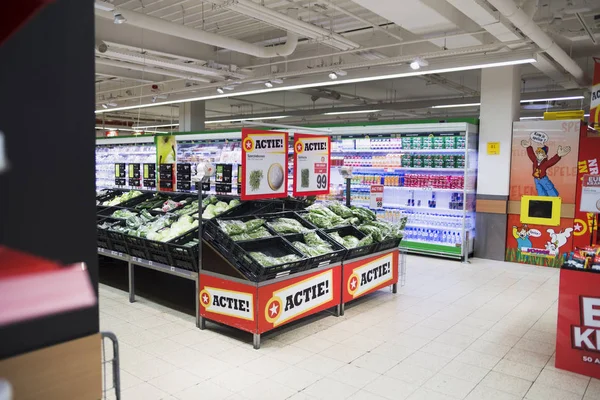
(264, 164)
(578, 330)
(312, 160)
(369, 274)
(228, 302)
(595, 98)
(292, 299)
(589, 156)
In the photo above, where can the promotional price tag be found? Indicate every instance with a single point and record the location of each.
(590, 194)
(376, 200)
(312, 157)
(264, 164)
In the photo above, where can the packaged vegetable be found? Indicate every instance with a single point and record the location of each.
(287, 225)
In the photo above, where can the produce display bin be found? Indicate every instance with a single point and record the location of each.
(136, 247)
(288, 214)
(357, 251)
(182, 256)
(334, 256)
(273, 247)
(158, 252)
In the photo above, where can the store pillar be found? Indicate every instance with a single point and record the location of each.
(500, 106)
(192, 116)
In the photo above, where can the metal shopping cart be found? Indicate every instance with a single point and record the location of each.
(110, 375)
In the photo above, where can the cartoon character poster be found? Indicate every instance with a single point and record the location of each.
(538, 244)
(544, 159)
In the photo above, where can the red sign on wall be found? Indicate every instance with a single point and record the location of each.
(578, 331)
(289, 300)
(228, 302)
(369, 274)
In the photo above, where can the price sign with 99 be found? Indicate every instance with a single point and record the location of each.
(311, 164)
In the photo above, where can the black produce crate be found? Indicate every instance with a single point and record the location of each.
(288, 214)
(136, 247)
(158, 252)
(274, 247)
(117, 240)
(387, 244)
(185, 257)
(101, 236)
(289, 204)
(108, 212)
(109, 195)
(217, 236)
(337, 254)
(357, 251)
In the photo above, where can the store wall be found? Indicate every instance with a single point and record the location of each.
(543, 244)
(47, 197)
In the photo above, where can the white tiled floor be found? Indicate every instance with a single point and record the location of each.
(483, 331)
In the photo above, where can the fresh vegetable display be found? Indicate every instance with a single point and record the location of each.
(258, 233)
(287, 225)
(216, 207)
(268, 261)
(236, 227)
(152, 203)
(123, 214)
(347, 241)
(122, 198)
(313, 245)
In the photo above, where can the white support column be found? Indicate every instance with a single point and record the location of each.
(500, 107)
(192, 116)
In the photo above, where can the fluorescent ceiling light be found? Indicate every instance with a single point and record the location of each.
(457, 105)
(516, 61)
(245, 119)
(350, 112)
(112, 129)
(553, 99)
(586, 115)
(154, 126)
(523, 118)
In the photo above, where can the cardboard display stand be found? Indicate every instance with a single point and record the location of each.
(578, 330)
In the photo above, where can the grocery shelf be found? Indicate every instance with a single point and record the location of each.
(459, 228)
(422, 247)
(401, 151)
(387, 169)
(364, 186)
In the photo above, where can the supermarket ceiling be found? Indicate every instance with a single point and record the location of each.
(307, 59)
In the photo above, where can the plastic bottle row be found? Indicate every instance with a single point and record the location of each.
(436, 236)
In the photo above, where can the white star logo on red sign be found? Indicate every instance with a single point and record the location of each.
(353, 283)
(205, 299)
(273, 310)
(578, 227)
(248, 145)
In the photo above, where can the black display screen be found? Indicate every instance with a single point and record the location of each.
(540, 209)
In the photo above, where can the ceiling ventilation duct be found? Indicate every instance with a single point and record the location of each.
(169, 28)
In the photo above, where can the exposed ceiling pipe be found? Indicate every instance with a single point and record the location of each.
(169, 28)
(150, 70)
(527, 25)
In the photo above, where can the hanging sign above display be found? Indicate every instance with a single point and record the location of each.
(312, 155)
(264, 164)
(590, 194)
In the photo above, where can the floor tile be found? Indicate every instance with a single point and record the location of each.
(175, 381)
(343, 353)
(518, 370)
(449, 385)
(295, 377)
(391, 388)
(569, 382)
(540, 391)
(147, 370)
(354, 376)
(494, 349)
(464, 371)
(375, 362)
(143, 391)
(410, 373)
(506, 383)
(393, 351)
(204, 390)
(364, 395)
(477, 359)
(527, 357)
(427, 361)
(320, 364)
(482, 392)
(236, 379)
(428, 394)
(330, 389)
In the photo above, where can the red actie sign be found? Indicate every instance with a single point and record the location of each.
(369, 274)
(578, 331)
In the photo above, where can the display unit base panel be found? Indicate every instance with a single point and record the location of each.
(432, 249)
